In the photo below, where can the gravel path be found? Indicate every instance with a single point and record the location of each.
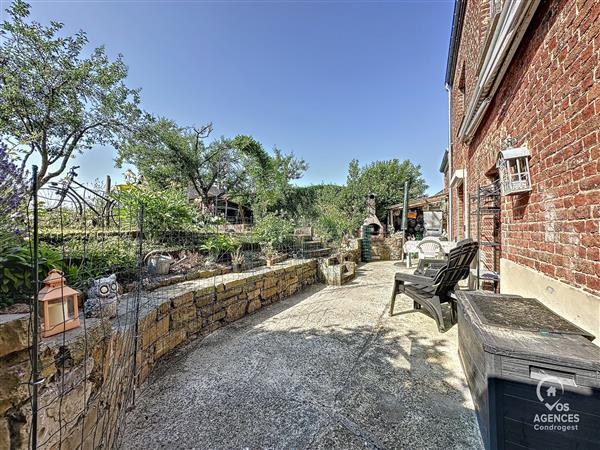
(327, 368)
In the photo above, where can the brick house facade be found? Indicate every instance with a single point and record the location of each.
(528, 72)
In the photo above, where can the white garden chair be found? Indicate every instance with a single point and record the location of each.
(429, 249)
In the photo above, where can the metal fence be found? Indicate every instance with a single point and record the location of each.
(88, 356)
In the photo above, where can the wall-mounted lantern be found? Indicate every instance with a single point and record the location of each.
(59, 305)
(513, 168)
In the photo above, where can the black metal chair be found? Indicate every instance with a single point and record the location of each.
(431, 292)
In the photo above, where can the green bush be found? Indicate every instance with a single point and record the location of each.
(218, 245)
(86, 260)
(274, 231)
(16, 268)
(164, 210)
(332, 225)
(81, 260)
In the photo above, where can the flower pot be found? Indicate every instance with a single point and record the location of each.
(269, 263)
(159, 264)
(236, 267)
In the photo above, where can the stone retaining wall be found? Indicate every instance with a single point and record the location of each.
(387, 249)
(394, 244)
(90, 373)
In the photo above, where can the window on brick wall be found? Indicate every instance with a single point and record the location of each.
(461, 94)
(495, 7)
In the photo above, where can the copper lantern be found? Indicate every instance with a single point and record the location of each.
(59, 305)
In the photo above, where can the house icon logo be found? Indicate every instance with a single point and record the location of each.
(549, 390)
(559, 416)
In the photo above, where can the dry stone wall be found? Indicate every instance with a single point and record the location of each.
(389, 248)
(394, 244)
(90, 373)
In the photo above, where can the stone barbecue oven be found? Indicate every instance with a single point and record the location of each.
(372, 222)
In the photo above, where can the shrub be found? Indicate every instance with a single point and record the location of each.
(237, 256)
(12, 192)
(274, 230)
(86, 260)
(218, 245)
(331, 226)
(164, 210)
(16, 268)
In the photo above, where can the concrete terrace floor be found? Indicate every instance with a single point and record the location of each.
(327, 368)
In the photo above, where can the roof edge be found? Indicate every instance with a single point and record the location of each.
(457, 23)
(444, 163)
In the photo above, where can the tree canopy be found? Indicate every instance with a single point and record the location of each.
(386, 180)
(167, 154)
(55, 102)
(273, 188)
(57, 99)
(335, 210)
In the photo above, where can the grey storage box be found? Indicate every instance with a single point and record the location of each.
(534, 377)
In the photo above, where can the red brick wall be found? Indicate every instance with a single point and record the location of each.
(549, 100)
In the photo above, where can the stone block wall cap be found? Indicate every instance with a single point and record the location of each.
(4, 318)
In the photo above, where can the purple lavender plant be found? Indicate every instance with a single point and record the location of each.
(12, 192)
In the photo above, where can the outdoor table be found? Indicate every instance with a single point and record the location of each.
(411, 247)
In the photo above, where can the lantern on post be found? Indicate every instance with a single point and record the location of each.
(59, 305)
(513, 169)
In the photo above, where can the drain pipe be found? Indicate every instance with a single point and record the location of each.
(405, 215)
(449, 91)
(405, 208)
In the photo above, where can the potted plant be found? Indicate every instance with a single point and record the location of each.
(237, 259)
(273, 232)
(269, 251)
(217, 246)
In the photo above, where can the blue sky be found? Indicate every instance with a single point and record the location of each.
(330, 81)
